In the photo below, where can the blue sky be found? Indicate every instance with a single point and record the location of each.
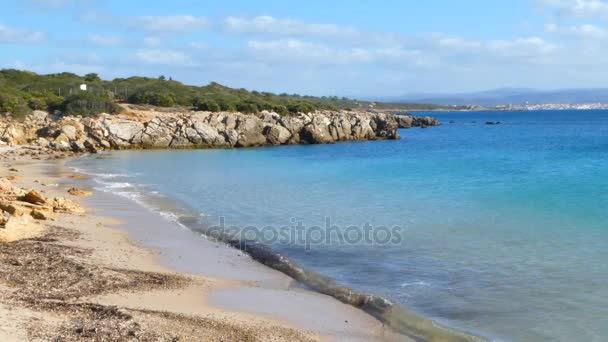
(351, 48)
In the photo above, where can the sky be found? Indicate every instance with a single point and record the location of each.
(345, 48)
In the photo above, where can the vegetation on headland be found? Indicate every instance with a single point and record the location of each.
(24, 91)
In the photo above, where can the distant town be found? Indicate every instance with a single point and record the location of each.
(555, 106)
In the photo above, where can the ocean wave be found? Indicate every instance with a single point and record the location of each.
(416, 283)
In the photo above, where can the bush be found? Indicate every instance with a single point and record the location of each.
(147, 96)
(86, 104)
(207, 105)
(301, 107)
(21, 111)
(245, 107)
(8, 102)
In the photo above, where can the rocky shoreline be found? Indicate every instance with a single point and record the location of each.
(149, 129)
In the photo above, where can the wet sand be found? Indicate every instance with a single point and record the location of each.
(155, 279)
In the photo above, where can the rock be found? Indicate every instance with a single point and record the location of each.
(12, 209)
(124, 130)
(77, 147)
(64, 205)
(40, 215)
(277, 134)
(5, 186)
(4, 216)
(405, 121)
(33, 197)
(149, 129)
(493, 123)
(42, 142)
(250, 132)
(90, 147)
(207, 134)
(20, 228)
(62, 139)
(39, 116)
(79, 192)
(14, 135)
(409, 121)
(69, 132)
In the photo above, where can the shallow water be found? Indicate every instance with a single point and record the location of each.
(503, 228)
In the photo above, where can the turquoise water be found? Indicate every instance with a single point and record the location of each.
(504, 228)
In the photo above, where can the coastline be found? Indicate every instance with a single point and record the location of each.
(223, 289)
(400, 319)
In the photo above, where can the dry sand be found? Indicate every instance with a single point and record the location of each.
(89, 277)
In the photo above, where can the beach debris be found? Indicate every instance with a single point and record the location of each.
(79, 192)
(33, 197)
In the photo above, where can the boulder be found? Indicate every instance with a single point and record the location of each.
(277, 134)
(208, 135)
(64, 205)
(13, 209)
(3, 219)
(40, 215)
(39, 116)
(20, 228)
(250, 132)
(70, 132)
(5, 186)
(33, 197)
(77, 147)
(79, 192)
(124, 130)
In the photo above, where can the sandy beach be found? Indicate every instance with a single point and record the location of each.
(120, 271)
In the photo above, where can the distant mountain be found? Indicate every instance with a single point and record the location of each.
(511, 96)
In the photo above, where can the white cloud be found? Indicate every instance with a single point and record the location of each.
(10, 35)
(521, 46)
(528, 46)
(458, 43)
(163, 57)
(589, 32)
(296, 28)
(576, 8)
(200, 46)
(55, 4)
(170, 24)
(152, 41)
(105, 41)
(585, 31)
(297, 51)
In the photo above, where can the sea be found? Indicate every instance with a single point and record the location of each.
(499, 231)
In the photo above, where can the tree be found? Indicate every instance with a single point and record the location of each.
(92, 77)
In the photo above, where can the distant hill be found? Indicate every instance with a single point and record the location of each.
(512, 96)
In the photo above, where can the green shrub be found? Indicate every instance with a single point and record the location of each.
(207, 105)
(21, 111)
(245, 107)
(8, 102)
(86, 104)
(301, 107)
